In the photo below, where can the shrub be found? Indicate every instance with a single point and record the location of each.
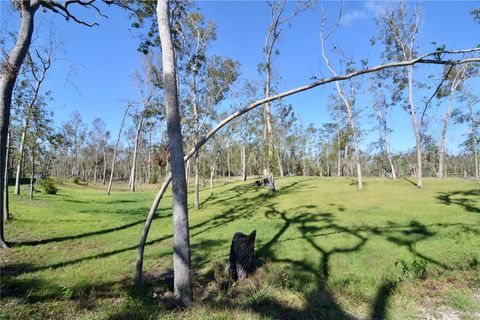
(76, 180)
(48, 184)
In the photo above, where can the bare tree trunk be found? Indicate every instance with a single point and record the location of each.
(33, 171)
(455, 82)
(6, 208)
(10, 68)
(95, 168)
(104, 169)
(392, 167)
(181, 238)
(474, 135)
(244, 163)
(187, 171)
(327, 160)
(21, 153)
(196, 160)
(212, 174)
(135, 150)
(280, 164)
(339, 164)
(149, 168)
(416, 130)
(350, 118)
(115, 150)
(197, 182)
(66, 165)
(228, 161)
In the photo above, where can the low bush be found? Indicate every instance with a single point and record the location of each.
(49, 185)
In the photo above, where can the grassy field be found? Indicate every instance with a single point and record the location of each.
(324, 251)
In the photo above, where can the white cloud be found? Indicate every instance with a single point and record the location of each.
(377, 8)
(370, 9)
(353, 16)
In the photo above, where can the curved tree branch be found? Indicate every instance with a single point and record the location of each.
(420, 60)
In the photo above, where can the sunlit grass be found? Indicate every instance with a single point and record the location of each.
(324, 250)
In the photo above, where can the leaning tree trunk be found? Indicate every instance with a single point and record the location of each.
(181, 238)
(10, 68)
(242, 254)
(6, 208)
(112, 171)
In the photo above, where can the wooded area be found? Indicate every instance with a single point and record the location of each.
(201, 125)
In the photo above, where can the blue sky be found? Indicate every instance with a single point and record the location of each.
(99, 61)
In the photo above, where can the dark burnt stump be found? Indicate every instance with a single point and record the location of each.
(242, 254)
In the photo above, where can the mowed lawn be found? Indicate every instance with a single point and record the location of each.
(324, 251)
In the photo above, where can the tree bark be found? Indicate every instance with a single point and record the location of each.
(115, 150)
(418, 142)
(242, 254)
(32, 177)
(455, 82)
(9, 73)
(135, 150)
(474, 135)
(244, 163)
(392, 167)
(181, 238)
(104, 169)
(196, 160)
(6, 207)
(21, 152)
(95, 167)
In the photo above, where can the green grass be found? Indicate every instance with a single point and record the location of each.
(324, 250)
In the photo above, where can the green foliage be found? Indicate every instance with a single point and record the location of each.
(49, 185)
(416, 269)
(476, 15)
(76, 180)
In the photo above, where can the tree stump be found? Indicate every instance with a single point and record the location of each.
(242, 254)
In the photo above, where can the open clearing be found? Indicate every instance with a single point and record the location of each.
(324, 250)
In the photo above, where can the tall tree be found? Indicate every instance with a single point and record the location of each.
(36, 67)
(399, 31)
(97, 135)
(181, 237)
(348, 102)
(197, 36)
(14, 60)
(114, 159)
(473, 117)
(381, 111)
(455, 75)
(277, 19)
(149, 84)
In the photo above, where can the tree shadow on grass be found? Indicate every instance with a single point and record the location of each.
(320, 301)
(78, 236)
(468, 199)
